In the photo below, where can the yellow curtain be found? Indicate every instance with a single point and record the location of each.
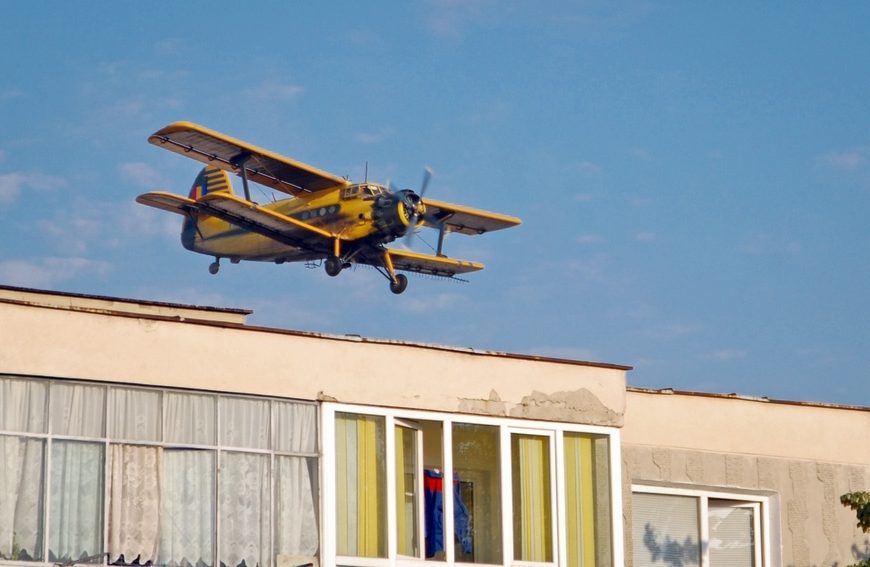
(406, 490)
(579, 500)
(532, 501)
(360, 485)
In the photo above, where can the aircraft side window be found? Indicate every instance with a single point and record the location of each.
(351, 192)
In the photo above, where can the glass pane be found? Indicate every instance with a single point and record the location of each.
(360, 485)
(75, 532)
(532, 500)
(135, 473)
(295, 427)
(665, 530)
(587, 500)
(296, 521)
(187, 514)
(134, 414)
(78, 409)
(407, 492)
(21, 500)
(477, 478)
(23, 403)
(188, 418)
(245, 423)
(433, 489)
(732, 537)
(244, 503)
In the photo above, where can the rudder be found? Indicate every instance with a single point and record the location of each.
(210, 180)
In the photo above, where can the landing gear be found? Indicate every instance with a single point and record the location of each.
(333, 266)
(215, 266)
(399, 284)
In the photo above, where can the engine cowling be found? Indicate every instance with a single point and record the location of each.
(392, 213)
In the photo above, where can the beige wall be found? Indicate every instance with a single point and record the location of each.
(805, 455)
(166, 351)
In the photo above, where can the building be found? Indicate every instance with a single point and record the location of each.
(140, 433)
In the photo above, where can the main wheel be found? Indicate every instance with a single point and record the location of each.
(399, 285)
(333, 266)
(214, 267)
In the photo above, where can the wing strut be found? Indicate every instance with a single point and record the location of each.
(441, 231)
(240, 161)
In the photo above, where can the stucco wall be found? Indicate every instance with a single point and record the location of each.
(807, 456)
(45, 341)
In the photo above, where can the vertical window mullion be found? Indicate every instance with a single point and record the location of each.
(216, 542)
(46, 472)
(614, 453)
(328, 513)
(447, 492)
(704, 526)
(561, 556)
(507, 515)
(390, 449)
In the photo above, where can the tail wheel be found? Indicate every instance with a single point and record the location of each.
(333, 266)
(399, 284)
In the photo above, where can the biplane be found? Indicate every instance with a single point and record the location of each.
(326, 220)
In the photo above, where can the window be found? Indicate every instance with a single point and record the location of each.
(98, 473)
(695, 527)
(404, 484)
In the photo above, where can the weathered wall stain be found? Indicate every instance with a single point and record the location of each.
(578, 406)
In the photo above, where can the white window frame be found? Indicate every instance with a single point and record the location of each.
(758, 502)
(508, 426)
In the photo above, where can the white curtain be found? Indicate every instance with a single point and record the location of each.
(134, 502)
(295, 427)
(78, 410)
(21, 501)
(296, 531)
(245, 423)
(135, 414)
(75, 529)
(21, 468)
(187, 523)
(188, 418)
(23, 403)
(244, 509)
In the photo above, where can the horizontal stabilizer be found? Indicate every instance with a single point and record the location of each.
(167, 202)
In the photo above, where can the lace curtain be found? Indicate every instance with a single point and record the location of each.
(21, 498)
(21, 469)
(161, 506)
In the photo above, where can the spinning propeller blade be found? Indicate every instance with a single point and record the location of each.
(415, 216)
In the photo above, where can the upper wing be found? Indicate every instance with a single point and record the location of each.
(467, 220)
(429, 264)
(262, 166)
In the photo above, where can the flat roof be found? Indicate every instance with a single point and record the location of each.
(742, 397)
(232, 318)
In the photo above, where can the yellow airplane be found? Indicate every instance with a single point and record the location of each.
(327, 219)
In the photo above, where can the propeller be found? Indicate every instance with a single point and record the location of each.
(416, 209)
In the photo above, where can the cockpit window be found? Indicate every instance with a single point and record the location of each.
(371, 191)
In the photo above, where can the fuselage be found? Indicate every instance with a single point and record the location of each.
(358, 213)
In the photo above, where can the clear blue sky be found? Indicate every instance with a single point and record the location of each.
(693, 178)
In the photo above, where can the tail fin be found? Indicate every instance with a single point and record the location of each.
(210, 180)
